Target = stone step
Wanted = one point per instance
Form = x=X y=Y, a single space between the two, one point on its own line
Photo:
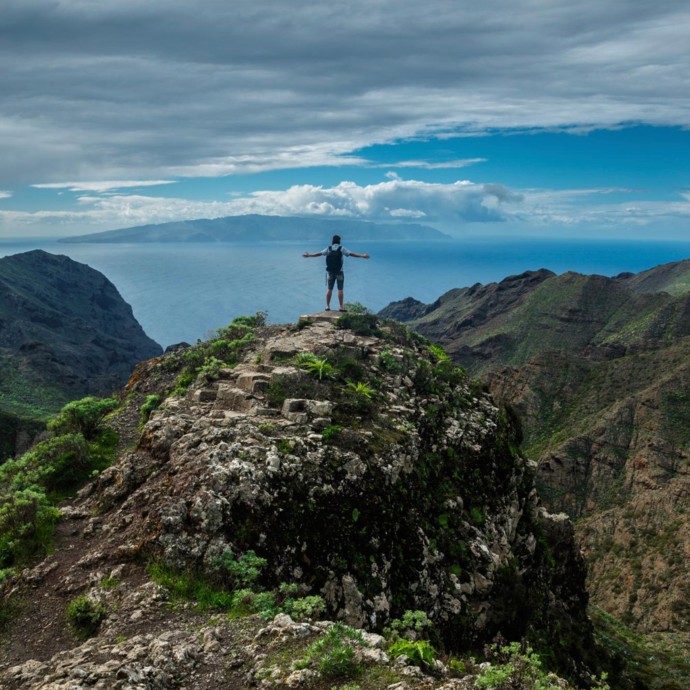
x=236 y=399
x=253 y=381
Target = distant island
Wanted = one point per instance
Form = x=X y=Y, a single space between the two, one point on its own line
x=257 y=228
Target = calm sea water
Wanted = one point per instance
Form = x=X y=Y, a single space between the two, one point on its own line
x=180 y=292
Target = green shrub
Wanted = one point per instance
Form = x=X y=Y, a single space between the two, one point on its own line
x=439 y=353
x=305 y=608
x=360 y=390
x=419 y=652
x=318 y=366
x=360 y=324
x=355 y=308
x=390 y=363
x=210 y=369
x=247 y=601
x=184 y=381
x=241 y=572
x=32 y=484
x=152 y=403
x=330 y=433
x=516 y=665
x=82 y=417
x=27 y=522
x=84 y=616
x=56 y=464
x=410 y=626
x=333 y=655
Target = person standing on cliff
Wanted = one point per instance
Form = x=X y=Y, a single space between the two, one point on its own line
x=334 y=268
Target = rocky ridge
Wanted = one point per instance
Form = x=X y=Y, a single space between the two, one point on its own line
x=371 y=472
x=597 y=371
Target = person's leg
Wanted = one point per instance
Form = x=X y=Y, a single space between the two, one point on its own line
x=330 y=282
x=341 y=284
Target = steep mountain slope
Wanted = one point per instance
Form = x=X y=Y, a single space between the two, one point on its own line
x=598 y=370
x=65 y=332
x=361 y=464
x=256 y=228
x=673 y=278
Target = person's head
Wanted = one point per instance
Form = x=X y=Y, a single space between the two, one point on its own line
x=336 y=239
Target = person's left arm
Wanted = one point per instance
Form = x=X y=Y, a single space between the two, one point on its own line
x=347 y=252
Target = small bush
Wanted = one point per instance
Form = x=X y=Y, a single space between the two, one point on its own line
x=152 y=403
x=331 y=433
x=246 y=602
x=355 y=308
x=27 y=521
x=516 y=665
x=419 y=652
x=210 y=369
x=82 y=417
x=410 y=626
x=333 y=654
x=318 y=366
x=84 y=617
x=242 y=572
x=360 y=390
x=360 y=324
x=56 y=464
x=305 y=608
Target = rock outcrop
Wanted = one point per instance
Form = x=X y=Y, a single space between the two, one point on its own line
x=366 y=469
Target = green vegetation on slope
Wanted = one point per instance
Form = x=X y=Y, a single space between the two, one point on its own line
x=32 y=485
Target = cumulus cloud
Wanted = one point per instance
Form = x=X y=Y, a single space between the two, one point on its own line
x=397 y=199
x=5 y=195
x=451 y=206
x=143 y=89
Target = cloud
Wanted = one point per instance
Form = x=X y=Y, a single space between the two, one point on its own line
x=429 y=165
x=462 y=204
x=102 y=186
x=140 y=89
x=5 y=195
x=396 y=199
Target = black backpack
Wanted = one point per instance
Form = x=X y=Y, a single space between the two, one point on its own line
x=334 y=260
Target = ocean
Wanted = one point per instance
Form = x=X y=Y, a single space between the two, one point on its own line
x=182 y=292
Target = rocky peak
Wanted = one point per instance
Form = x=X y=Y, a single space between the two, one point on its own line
x=361 y=464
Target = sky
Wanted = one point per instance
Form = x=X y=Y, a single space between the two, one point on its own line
x=502 y=118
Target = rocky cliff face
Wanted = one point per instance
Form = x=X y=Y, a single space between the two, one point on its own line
x=597 y=371
x=361 y=464
x=65 y=332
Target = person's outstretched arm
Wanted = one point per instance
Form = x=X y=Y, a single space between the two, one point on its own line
x=360 y=256
x=307 y=255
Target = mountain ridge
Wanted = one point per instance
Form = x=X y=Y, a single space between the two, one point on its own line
x=598 y=370
x=258 y=228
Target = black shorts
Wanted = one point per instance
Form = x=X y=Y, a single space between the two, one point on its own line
x=332 y=277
